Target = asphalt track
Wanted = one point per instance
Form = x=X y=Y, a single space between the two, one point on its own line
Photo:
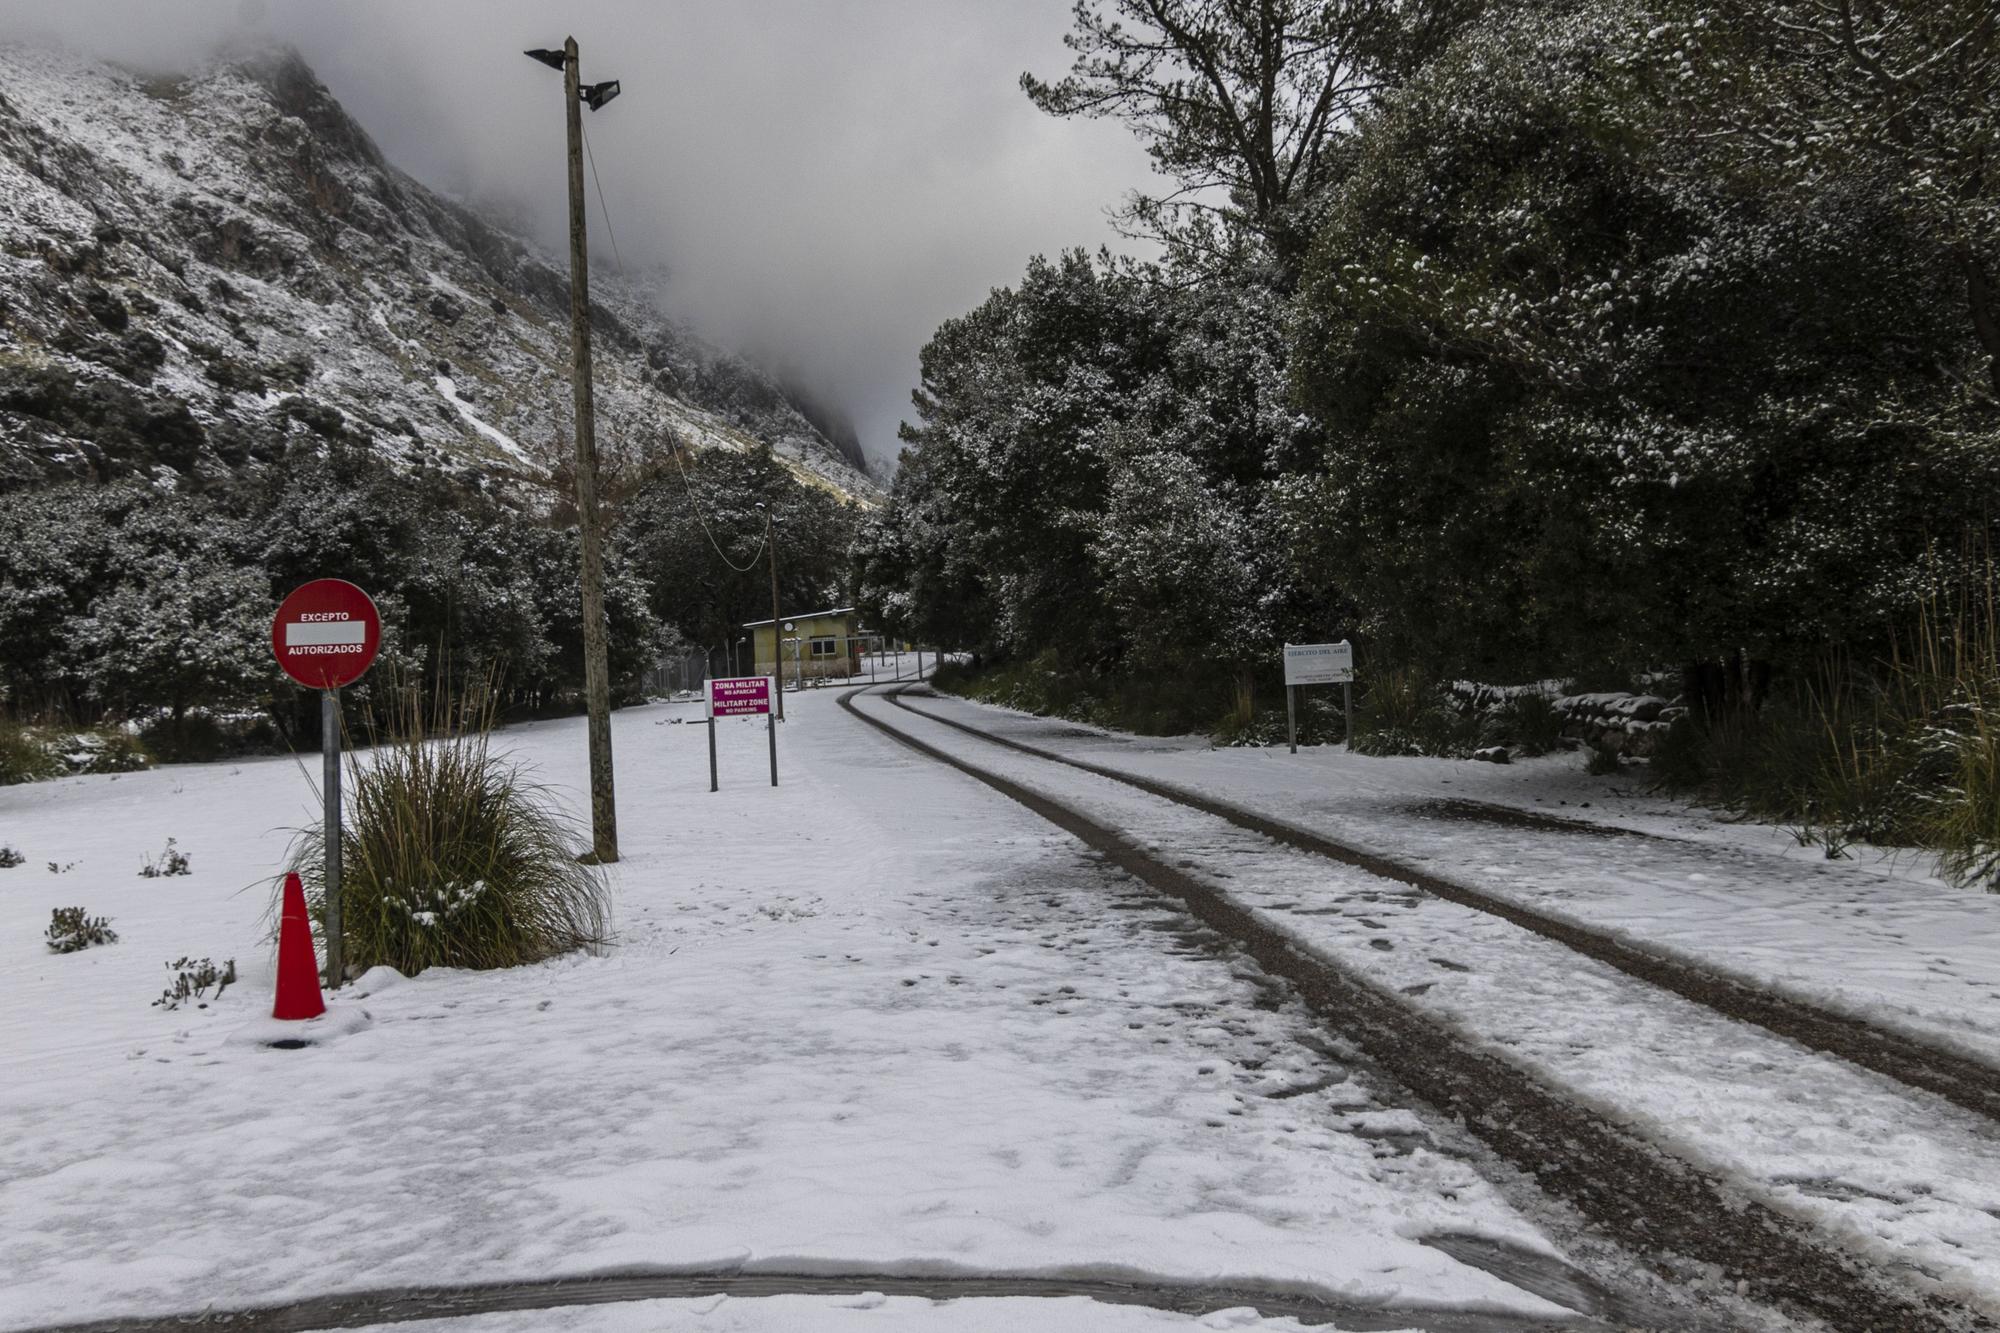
x=1956 y=1077
x=1668 y=1215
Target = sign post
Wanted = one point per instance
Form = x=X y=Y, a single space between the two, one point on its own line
x=1319 y=664
x=739 y=696
x=325 y=635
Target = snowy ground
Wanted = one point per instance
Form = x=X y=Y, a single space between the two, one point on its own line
x=878 y=1019
x=1877 y=936
x=1901 y=1178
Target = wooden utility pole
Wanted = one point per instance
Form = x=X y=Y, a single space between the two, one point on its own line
x=596 y=656
x=777 y=625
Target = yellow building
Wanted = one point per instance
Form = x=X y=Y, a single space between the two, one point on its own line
x=813 y=646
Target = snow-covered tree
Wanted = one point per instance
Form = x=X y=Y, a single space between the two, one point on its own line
x=1593 y=398
x=1899 y=97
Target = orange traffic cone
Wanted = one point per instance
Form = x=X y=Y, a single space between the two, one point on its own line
x=298 y=970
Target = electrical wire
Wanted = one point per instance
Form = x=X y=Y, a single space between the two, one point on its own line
x=603 y=211
x=694 y=504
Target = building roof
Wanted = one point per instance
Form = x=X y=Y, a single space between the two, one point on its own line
x=802 y=615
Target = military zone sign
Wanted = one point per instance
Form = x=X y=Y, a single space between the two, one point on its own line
x=740 y=696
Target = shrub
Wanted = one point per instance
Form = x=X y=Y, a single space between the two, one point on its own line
x=170 y=861
x=106 y=750
x=192 y=978
x=10 y=856
x=24 y=756
x=451 y=859
x=200 y=736
x=1529 y=721
x=1402 y=713
x=1966 y=824
x=1603 y=761
x=1904 y=752
x=70 y=930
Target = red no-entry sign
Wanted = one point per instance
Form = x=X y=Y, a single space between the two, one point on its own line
x=326 y=633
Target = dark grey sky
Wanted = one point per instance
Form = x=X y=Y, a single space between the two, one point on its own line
x=826 y=180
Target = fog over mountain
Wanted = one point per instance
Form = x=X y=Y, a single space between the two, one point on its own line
x=820 y=184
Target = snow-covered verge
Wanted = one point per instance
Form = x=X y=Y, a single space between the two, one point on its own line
x=1878 y=936
x=874 y=1017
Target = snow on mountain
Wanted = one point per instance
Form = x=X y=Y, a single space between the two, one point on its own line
x=194 y=268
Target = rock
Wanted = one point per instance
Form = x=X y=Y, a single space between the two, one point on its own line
x=1493 y=754
x=105 y=308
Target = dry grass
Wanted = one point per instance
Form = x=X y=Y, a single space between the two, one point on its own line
x=449 y=857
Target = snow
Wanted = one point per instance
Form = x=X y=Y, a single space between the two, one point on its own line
x=1899 y=1177
x=449 y=389
x=876 y=1019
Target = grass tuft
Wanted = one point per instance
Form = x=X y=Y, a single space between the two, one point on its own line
x=449 y=857
x=1400 y=712
x=1904 y=752
x=1528 y=721
x=25 y=756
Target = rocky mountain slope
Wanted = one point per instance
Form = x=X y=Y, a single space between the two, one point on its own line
x=193 y=269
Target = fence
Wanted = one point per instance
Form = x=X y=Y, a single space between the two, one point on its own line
x=856 y=657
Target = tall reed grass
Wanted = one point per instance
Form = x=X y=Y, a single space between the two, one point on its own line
x=1903 y=751
x=450 y=858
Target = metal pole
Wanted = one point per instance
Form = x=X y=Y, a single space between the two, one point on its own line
x=596 y=656
x=1347 y=715
x=777 y=661
x=1291 y=719
x=711 y=748
x=329 y=748
x=771 y=731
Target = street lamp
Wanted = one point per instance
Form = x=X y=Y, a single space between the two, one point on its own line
x=596 y=652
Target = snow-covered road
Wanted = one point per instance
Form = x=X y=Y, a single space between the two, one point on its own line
x=1877 y=936
x=875 y=1020
x=1899 y=1178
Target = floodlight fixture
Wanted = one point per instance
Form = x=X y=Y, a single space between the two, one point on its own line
x=595 y=95
x=553 y=59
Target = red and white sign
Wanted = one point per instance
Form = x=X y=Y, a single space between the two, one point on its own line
x=734 y=696
x=326 y=633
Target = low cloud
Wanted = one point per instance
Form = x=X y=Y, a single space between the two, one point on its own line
x=822 y=183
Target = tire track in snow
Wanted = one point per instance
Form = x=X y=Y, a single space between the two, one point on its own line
x=1959 y=1079
x=1641 y=1196
x=403 y=1304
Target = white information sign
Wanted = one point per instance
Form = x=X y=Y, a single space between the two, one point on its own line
x=1319 y=663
